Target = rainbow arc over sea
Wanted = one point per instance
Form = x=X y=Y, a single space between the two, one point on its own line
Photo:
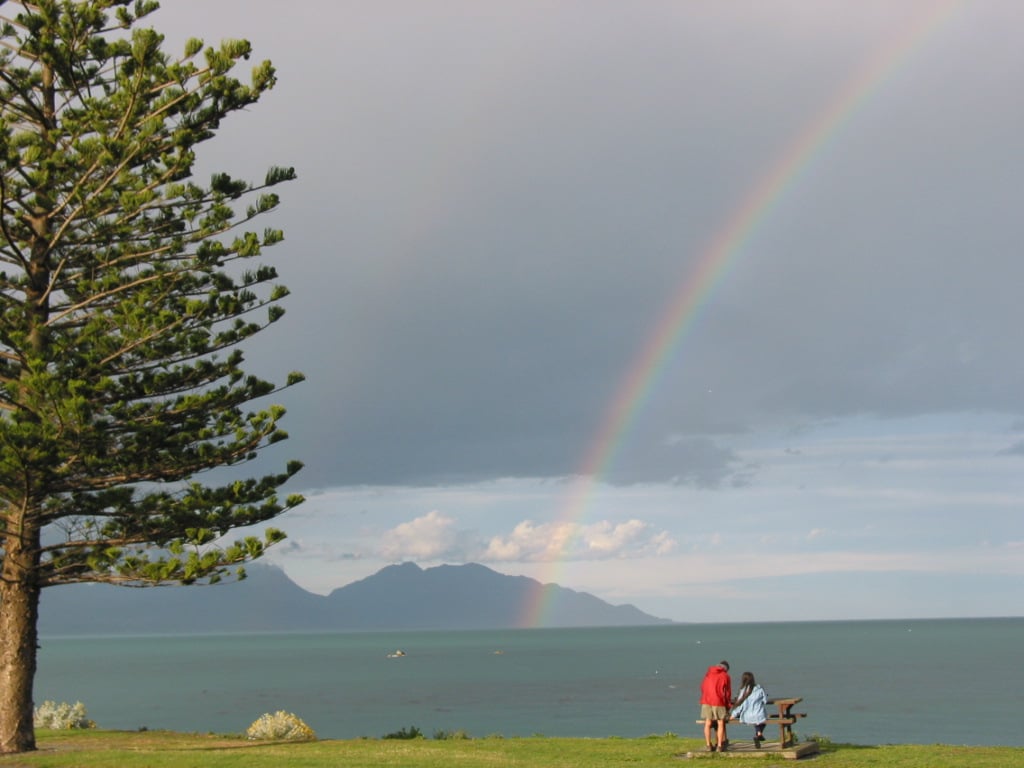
x=714 y=261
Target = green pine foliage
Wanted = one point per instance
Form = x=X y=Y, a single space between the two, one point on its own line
x=123 y=302
x=127 y=290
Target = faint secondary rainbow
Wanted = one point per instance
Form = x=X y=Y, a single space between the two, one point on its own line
x=714 y=262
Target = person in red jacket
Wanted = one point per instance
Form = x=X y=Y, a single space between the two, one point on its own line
x=715 y=701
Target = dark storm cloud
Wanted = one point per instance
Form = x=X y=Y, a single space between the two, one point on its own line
x=494 y=210
x=1017 y=449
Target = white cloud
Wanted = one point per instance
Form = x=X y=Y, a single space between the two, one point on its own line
x=545 y=542
x=431 y=537
x=435 y=536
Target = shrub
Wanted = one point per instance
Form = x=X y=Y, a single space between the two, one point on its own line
x=61 y=716
x=412 y=732
x=280 y=726
x=451 y=735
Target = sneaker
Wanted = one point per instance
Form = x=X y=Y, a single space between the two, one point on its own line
x=723 y=747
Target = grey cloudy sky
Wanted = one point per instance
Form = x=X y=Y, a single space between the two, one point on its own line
x=496 y=204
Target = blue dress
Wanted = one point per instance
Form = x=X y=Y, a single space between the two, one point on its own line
x=752 y=710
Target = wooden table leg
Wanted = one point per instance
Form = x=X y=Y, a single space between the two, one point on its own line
x=787 y=727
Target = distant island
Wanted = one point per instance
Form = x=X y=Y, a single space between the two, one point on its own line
x=397 y=597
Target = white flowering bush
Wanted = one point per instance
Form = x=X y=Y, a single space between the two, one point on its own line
x=61 y=716
x=280 y=726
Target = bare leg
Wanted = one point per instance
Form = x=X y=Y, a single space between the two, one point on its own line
x=721 y=734
x=707 y=733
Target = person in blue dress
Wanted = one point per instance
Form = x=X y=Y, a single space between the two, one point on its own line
x=750 y=706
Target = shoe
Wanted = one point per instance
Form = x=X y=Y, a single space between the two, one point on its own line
x=711 y=747
x=723 y=747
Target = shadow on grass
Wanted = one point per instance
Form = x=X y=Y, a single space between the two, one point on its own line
x=830 y=748
x=244 y=745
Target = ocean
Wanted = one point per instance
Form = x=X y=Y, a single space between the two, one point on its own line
x=949 y=681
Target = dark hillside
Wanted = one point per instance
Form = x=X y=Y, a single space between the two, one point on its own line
x=396 y=597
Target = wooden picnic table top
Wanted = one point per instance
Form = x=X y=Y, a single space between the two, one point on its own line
x=785 y=705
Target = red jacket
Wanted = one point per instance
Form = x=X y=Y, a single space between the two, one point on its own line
x=716 y=689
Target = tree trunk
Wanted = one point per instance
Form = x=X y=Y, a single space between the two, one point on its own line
x=19 y=613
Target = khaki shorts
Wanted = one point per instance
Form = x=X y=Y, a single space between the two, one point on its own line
x=708 y=712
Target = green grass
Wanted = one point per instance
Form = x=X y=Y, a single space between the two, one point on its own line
x=163 y=749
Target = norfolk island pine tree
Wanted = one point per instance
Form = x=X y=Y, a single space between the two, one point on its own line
x=124 y=301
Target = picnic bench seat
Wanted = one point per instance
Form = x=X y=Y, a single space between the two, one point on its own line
x=790 y=720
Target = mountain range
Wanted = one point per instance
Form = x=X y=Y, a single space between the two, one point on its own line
x=398 y=597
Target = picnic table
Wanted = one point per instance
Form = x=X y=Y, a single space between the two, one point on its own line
x=785 y=718
x=780 y=712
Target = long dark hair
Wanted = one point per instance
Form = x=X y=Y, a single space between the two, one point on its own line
x=747 y=681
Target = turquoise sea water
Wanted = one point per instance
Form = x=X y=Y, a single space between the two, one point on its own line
x=952 y=681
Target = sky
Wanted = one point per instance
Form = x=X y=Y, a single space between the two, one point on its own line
x=710 y=308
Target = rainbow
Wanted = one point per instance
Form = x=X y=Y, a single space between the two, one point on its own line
x=714 y=263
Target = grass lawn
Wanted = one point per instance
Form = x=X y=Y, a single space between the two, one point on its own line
x=162 y=749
